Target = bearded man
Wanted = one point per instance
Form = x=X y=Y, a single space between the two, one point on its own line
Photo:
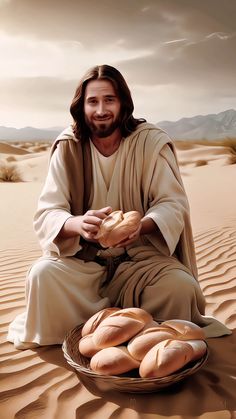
x=106 y=161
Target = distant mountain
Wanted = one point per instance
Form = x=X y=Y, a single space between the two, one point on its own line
x=29 y=134
x=200 y=127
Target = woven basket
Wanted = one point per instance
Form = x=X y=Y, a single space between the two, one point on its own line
x=129 y=382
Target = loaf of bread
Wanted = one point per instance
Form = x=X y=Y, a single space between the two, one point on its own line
x=117 y=227
x=185 y=329
x=157 y=349
x=169 y=356
x=171 y=329
x=120 y=326
x=140 y=344
x=87 y=346
x=199 y=348
x=113 y=361
x=93 y=322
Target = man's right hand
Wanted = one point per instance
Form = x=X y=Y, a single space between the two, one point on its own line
x=86 y=225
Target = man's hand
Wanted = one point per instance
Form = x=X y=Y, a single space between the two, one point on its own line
x=86 y=225
x=89 y=223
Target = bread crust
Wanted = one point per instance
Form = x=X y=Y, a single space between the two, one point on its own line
x=134 y=313
x=87 y=346
x=113 y=361
x=117 y=227
x=170 y=329
x=115 y=331
x=140 y=344
x=168 y=356
x=92 y=323
x=185 y=329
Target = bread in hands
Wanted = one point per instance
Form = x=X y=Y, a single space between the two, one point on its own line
x=120 y=326
x=113 y=361
x=117 y=227
x=169 y=356
x=93 y=322
x=184 y=329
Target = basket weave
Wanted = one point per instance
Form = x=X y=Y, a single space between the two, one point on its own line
x=130 y=382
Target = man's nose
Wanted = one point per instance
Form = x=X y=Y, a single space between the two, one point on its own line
x=101 y=109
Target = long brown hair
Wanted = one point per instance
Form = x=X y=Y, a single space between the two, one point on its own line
x=104 y=72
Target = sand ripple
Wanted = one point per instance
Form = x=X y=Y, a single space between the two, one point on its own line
x=40 y=384
x=216 y=258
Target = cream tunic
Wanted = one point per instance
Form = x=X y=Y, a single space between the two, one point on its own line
x=103 y=179
x=104 y=186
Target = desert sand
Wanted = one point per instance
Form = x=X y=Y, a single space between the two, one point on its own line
x=39 y=383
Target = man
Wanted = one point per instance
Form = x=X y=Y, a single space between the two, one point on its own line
x=110 y=161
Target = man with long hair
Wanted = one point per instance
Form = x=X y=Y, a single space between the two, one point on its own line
x=106 y=161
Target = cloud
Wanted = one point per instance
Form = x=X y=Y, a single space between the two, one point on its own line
x=105 y=21
x=44 y=102
x=37 y=92
x=172 y=102
x=162 y=39
x=38 y=101
x=27 y=57
x=207 y=62
x=175 y=56
x=220 y=35
x=93 y=23
x=175 y=41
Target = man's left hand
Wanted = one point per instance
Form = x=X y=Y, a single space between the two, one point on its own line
x=131 y=239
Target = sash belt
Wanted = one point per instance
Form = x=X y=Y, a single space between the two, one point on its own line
x=89 y=251
x=89 y=254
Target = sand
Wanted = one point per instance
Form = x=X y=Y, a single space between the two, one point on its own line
x=39 y=383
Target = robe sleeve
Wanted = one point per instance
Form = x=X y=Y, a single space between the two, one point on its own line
x=53 y=211
x=168 y=202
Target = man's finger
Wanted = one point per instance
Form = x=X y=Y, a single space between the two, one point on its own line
x=101 y=213
x=93 y=220
x=104 y=212
x=107 y=210
x=91 y=228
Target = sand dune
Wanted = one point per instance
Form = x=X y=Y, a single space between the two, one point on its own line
x=6 y=148
x=40 y=384
x=34 y=168
x=203 y=154
x=30 y=169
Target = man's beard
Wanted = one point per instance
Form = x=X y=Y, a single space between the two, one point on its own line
x=103 y=130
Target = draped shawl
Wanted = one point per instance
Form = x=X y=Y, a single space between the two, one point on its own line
x=138 y=169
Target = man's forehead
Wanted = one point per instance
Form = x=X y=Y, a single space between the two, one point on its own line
x=100 y=88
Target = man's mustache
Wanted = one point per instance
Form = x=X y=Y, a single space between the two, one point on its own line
x=100 y=118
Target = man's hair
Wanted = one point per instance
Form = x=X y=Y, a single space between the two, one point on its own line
x=104 y=72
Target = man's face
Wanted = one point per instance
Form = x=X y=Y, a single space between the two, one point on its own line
x=101 y=108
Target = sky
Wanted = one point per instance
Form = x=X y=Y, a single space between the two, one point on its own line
x=177 y=56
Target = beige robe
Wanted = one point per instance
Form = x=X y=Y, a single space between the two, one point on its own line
x=145 y=178
x=141 y=186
